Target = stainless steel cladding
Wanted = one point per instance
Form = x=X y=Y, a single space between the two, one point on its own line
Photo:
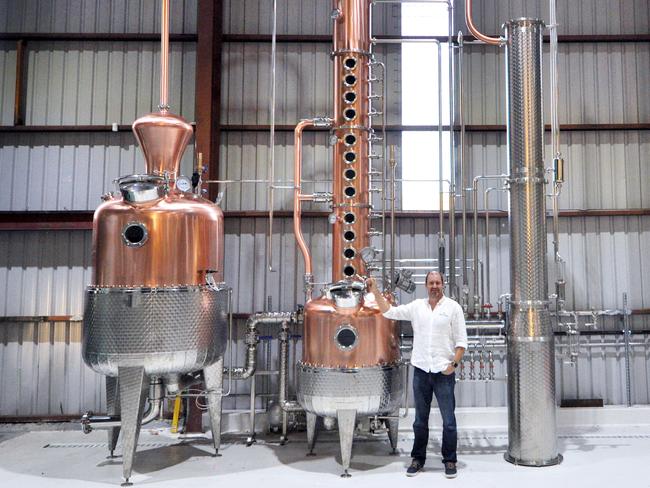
x=368 y=391
x=531 y=364
x=164 y=330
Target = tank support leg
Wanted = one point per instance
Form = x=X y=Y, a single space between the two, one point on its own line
x=393 y=424
x=133 y=386
x=346 y=420
x=112 y=408
x=312 y=420
x=213 y=376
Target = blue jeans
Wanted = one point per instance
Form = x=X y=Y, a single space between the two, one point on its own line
x=425 y=385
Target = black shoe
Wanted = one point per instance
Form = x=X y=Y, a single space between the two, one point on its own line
x=450 y=470
x=415 y=467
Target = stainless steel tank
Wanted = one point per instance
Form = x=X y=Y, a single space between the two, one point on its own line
x=532 y=438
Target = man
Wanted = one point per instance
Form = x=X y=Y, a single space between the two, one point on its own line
x=439 y=342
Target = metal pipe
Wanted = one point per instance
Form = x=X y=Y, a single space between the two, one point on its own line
x=90 y=422
x=287 y=406
x=627 y=332
x=164 y=57
x=393 y=168
x=441 y=214
x=497 y=41
x=271 y=187
x=463 y=195
x=475 y=291
x=251 y=341
x=486 y=206
x=156 y=397
x=452 y=156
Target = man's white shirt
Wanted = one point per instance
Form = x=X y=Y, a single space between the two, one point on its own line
x=436 y=333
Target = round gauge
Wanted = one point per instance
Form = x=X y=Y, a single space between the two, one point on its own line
x=184 y=184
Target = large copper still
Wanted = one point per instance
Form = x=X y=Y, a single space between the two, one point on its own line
x=157 y=309
x=351 y=359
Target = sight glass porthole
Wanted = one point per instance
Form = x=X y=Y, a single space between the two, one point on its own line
x=349 y=235
x=349 y=218
x=350 y=114
x=350 y=63
x=350 y=139
x=349 y=97
x=349 y=271
x=349 y=253
x=134 y=234
x=350 y=191
x=350 y=80
x=346 y=337
x=349 y=174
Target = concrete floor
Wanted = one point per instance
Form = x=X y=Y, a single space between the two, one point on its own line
x=595 y=455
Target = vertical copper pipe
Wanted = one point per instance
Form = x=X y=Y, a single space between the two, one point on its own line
x=475 y=32
x=164 y=56
x=297 y=175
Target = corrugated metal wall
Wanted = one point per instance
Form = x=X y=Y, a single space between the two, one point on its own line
x=44 y=273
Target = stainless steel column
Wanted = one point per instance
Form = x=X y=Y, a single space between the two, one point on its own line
x=532 y=438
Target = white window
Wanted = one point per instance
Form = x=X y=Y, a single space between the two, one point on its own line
x=421 y=149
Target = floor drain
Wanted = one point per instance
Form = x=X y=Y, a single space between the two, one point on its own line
x=96 y=445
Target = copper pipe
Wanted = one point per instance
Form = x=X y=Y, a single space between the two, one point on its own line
x=164 y=56
x=297 y=197
x=497 y=41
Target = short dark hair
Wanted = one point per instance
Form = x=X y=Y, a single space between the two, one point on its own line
x=442 y=276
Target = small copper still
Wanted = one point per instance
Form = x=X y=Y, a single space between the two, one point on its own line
x=351 y=363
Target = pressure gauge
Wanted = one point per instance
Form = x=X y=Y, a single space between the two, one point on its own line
x=184 y=184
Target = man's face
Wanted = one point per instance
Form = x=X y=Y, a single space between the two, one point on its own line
x=435 y=286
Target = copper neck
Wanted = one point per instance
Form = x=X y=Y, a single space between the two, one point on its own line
x=164 y=57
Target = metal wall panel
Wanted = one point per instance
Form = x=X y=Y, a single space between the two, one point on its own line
x=599 y=83
x=100 y=83
x=576 y=18
x=303 y=82
x=7 y=82
x=603 y=170
x=42 y=373
x=297 y=17
x=67 y=171
x=91 y=16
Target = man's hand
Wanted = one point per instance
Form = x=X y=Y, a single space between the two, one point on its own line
x=383 y=305
x=450 y=369
x=372 y=286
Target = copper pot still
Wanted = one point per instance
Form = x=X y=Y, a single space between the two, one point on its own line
x=351 y=364
x=158 y=249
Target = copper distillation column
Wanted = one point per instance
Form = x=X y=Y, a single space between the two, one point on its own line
x=157 y=311
x=351 y=365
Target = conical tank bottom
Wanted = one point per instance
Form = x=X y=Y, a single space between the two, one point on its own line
x=163 y=138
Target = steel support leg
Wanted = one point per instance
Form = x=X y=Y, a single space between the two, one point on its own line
x=112 y=408
x=213 y=377
x=346 y=420
x=312 y=420
x=393 y=424
x=133 y=387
